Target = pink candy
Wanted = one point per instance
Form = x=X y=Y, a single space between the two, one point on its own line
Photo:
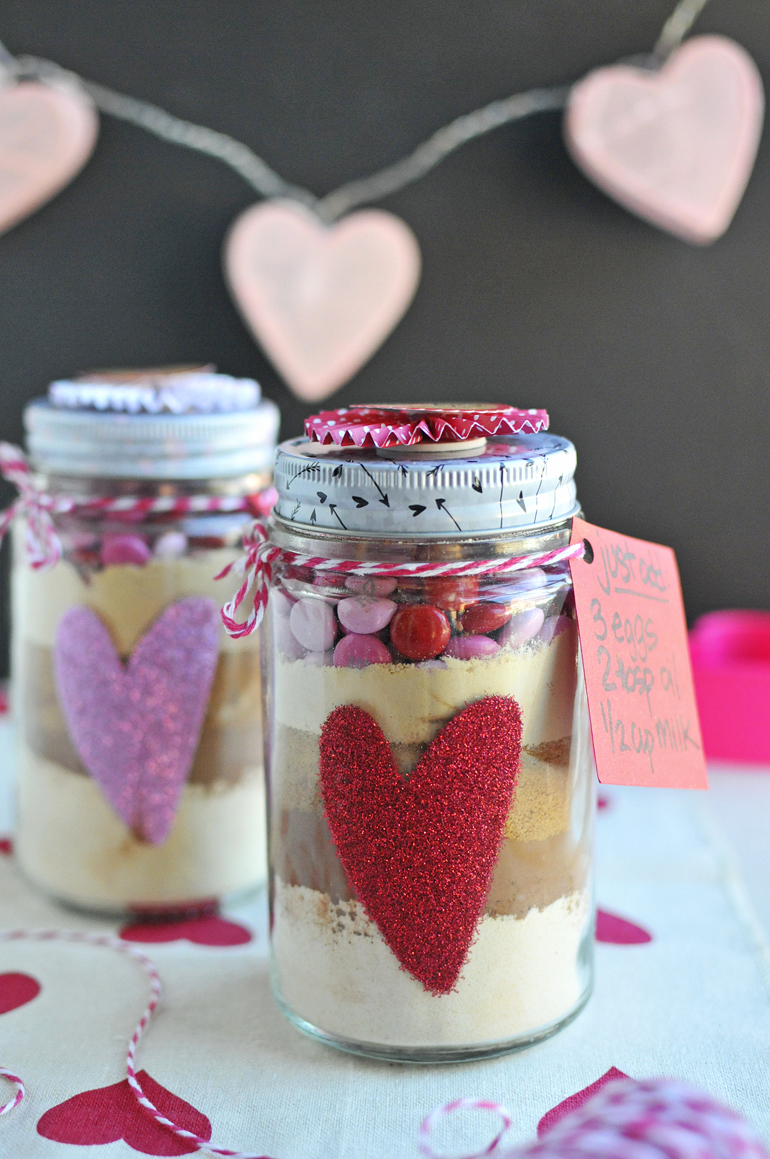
x=314 y=624
x=365 y=614
x=357 y=651
x=521 y=628
x=119 y=549
x=470 y=647
x=371 y=585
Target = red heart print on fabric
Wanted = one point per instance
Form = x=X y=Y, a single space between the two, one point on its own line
x=603 y=802
x=618 y=931
x=6 y=846
x=17 y=990
x=204 y=931
x=136 y=726
x=551 y=1118
x=107 y=1114
x=420 y=852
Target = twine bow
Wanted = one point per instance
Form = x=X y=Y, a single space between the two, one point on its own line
x=42 y=543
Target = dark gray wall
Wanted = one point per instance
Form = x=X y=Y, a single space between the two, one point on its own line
x=654 y=357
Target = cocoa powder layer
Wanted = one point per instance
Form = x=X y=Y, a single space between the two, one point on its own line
x=231 y=737
x=528 y=875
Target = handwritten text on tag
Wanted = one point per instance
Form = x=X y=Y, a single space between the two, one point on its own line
x=633 y=637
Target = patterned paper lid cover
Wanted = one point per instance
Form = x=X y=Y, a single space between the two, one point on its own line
x=177 y=423
x=426 y=472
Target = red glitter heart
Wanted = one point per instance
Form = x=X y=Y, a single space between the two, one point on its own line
x=572 y=1102
x=110 y=1113
x=420 y=853
x=203 y=931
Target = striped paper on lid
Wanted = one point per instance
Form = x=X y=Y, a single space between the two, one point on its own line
x=514 y=483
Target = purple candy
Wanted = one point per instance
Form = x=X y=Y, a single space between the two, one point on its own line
x=521 y=627
x=170 y=545
x=320 y=659
x=371 y=585
x=470 y=647
x=355 y=651
x=117 y=549
x=313 y=624
x=365 y=614
x=287 y=643
x=554 y=626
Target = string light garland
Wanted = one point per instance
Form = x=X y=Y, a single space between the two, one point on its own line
x=322 y=286
x=264 y=180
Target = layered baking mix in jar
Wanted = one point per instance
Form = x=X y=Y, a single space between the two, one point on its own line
x=141 y=786
x=430 y=770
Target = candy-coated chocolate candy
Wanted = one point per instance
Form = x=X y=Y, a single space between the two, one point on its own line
x=420 y=631
x=286 y=642
x=118 y=549
x=484 y=618
x=335 y=583
x=521 y=627
x=554 y=626
x=471 y=647
x=530 y=577
x=355 y=651
x=281 y=603
x=314 y=624
x=365 y=614
x=320 y=659
x=170 y=545
x=371 y=585
x=452 y=593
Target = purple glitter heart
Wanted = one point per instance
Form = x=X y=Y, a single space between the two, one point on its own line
x=136 y=726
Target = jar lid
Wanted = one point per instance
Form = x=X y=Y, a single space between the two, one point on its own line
x=423 y=489
x=185 y=423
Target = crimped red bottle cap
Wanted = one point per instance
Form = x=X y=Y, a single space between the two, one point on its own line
x=405 y=426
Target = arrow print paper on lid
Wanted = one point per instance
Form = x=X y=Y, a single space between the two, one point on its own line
x=320 y=299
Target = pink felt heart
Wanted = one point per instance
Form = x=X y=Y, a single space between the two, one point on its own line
x=107 y=1114
x=676 y=146
x=136 y=726
x=209 y=930
x=46 y=137
x=619 y=931
x=320 y=299
x=572 y=1102
x=17 y=990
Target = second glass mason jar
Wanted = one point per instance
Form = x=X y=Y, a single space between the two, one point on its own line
x=430 y=770
x=138 y=718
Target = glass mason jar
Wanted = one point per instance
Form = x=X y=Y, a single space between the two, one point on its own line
x=430 y=769
x=138 y=719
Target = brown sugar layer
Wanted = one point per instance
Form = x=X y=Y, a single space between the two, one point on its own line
x=230 y=741
x=529 y=874
x=540 y=808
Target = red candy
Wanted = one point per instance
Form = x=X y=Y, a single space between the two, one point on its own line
x=483 y=618
x=420 y=632
x=453 y=593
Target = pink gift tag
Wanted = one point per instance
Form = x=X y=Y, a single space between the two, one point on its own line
x=677 y=146
x=46 y=137
x=320 y=299
x=633 y=636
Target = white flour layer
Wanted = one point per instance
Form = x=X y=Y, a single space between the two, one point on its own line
x=72 y=844
x=335 y=970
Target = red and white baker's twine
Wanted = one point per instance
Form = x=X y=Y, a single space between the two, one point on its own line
x=42 y=542
x=110 y=943
x=256 y=567
x=652 y=1119
x=625 y=1120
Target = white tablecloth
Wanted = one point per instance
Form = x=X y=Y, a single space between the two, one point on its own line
x=691 y=868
